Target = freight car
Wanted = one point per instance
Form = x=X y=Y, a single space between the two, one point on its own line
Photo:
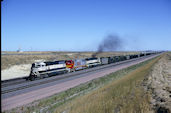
x=116 y=59
x=105 y=60
x=108 y=60
x=134 y=56
x=122 y=58
x=141 y=54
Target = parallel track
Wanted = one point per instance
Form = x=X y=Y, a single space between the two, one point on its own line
x=10 y=82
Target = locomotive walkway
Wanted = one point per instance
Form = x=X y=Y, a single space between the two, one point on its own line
x=27 y=95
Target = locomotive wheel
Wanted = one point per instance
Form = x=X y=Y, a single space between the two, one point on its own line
x=65 y=72
x=27 y=78
x=68 y=71
x=73 y=70
x=32 y=78
x=41 y=77
x=44 y=76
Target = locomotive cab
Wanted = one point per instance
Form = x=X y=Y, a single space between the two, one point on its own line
x=35 y=68
x=38 y=65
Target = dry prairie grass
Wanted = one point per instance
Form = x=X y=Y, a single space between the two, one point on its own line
x=16 y=58
x=11 y=60
x=125 y=95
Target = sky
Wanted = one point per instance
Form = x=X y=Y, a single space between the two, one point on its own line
x=81 y=25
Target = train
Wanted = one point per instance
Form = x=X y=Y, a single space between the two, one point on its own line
x=50 y=68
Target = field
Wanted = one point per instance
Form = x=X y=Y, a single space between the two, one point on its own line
x=122 y=91
x=16 y=58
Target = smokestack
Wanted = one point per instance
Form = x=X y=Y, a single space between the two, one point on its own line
x=109 y=43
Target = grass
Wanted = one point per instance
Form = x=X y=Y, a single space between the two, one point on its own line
x=11 y=60
x=30 y=57
x=125 y=95
x=99 y=89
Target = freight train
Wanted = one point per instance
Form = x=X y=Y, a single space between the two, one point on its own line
x=46 y=69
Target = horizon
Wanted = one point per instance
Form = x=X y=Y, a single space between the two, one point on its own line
x=88 y=51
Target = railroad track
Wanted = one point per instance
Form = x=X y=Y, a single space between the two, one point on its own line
x=10 y=82
x=17 y=81
x=21 y=83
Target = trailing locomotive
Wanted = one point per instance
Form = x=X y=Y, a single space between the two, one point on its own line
x=91 y=62
x=45 y=69
x=76 y=64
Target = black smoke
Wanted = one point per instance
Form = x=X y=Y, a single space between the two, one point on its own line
x=109 y=43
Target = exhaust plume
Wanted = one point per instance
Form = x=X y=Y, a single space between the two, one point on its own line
x=109 y=43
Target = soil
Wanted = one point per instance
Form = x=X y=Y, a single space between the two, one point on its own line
x=17 y=71
x=159 y=84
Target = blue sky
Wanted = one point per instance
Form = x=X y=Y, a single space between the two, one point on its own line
x=80 y=25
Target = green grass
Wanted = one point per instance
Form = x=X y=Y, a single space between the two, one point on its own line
x=67 y=98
